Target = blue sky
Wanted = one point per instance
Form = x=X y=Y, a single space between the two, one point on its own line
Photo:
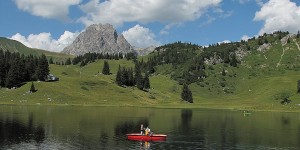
x=54 y=24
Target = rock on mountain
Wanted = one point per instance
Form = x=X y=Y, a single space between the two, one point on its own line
x=144 y=51
x=99 y=38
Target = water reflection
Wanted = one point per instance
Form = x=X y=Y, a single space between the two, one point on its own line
x=15 y=131
x=285 y=120
x=103 y=128
x=126 y=127
x=186 y=119
x=104 y=139
x=193 y=129
x=228 y=134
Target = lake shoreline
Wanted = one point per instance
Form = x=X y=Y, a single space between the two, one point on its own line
x=242 y=108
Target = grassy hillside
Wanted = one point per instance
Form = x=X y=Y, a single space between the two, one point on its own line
x=256 y=83
x=15 y=46
x=86 y=86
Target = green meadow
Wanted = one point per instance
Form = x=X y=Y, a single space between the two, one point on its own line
x=260 y=82
x=88 y=87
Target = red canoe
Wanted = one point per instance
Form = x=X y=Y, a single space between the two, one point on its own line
x=152 y=137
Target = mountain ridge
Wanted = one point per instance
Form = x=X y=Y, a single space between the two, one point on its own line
x=99 y=38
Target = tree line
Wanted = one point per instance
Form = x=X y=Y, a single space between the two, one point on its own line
x=15 y=69
x=129 y=77
x=92 y=57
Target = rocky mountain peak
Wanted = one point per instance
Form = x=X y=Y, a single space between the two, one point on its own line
x=99 y=38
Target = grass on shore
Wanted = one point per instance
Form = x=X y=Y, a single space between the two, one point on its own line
x=88 y=87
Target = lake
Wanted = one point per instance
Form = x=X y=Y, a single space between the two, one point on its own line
x=70 y=127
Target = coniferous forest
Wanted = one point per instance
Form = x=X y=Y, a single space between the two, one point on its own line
x=16 y=69
x=92 y=57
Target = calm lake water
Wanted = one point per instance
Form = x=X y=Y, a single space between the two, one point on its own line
x=42 y=127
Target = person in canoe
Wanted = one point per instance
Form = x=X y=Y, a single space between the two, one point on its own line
x=142 y=129
x=147 y=131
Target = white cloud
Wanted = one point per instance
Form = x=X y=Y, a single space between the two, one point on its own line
x=45 y=41
x=243 y=1
x=165 y=30
x=259 y=2
x=225 y=41
x=54 y=9
x=208 y=21
x=277 y=15
x=140 y=37
x=117 y=12
x=245 y=38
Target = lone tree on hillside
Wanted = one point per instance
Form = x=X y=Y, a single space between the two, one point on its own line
x=298 y=86
x=186 y=94
x=233 y=61
x=106 y=70
x=32 y=88
x=223 y=72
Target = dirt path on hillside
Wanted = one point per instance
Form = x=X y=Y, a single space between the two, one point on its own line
x=283 y=51
x=297 y=44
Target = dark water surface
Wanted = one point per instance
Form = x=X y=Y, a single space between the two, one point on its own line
x=42 y=127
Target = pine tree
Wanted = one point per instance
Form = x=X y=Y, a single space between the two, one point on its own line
x=137 y=72
x=226 y=58
x=43 y=68
x=31 y=68
x=21 y=68
x=266 y=41
x=12 y=75
x=2 y=69
x=146 y=82
x=139 y=81
x=118 y=76
x=130 y=77
x=106 y=70
x=83 y=63
x=124 y=77
x=68 y=61
x=223 y=72
x=233 y=61
x=138 y=78
x=51 y=61
x=186 y=94
x=298 y=86
x=32 y=88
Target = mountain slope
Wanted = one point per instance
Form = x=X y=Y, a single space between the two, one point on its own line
x=16 y=46
x=99 y=38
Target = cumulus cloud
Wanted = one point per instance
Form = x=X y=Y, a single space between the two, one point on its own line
x=45 y=41
x=259 y=2
x=224 y=42
x=140 y=37
x=117 y=12
x=245 y=38
x=278 y=15
x=54 y=9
